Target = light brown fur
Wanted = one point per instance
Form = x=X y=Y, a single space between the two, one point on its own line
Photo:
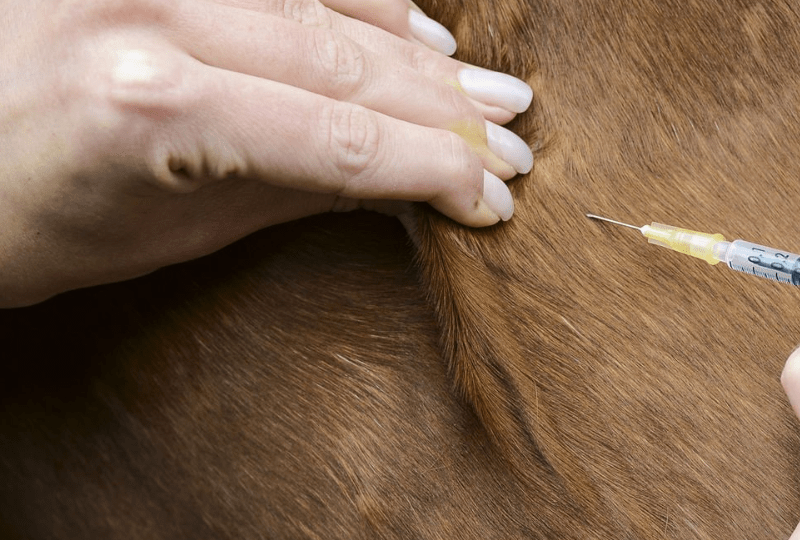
x=547 y=378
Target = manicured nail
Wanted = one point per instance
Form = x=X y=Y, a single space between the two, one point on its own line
x=509 y=147
x=497 y=89
x=497 y=196
x=431 y=33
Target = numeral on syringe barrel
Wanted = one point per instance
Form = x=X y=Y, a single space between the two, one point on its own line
x=765 y=262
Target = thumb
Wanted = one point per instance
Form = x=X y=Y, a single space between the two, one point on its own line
x=790 y=379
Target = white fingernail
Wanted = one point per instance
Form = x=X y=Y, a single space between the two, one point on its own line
x=497 y=196
x=497 y=89
x=431 y=33
x=509 y=147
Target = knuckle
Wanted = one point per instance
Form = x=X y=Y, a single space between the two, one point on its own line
x=343 y=64
x=133 y=86
x=143 y=80
x=130 y=100
x=418 y=58
x=186 y=163
x=172 y=170
x=307 y=12
x=180 y=170
x=184 y=160
x=450 y=99
x=353 y=139
x=427 y=63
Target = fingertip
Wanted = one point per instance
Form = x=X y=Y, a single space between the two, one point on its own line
x=476 y=214
x=489 y=206
x=498 y=115
x=482 y=216
x=497 y=196
x=509 y=147
x=790 y=379
x=431 y=33
x=796 y=533
x=496 y=89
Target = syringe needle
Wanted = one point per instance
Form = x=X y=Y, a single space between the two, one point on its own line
x=592 y=216
x=696 y=244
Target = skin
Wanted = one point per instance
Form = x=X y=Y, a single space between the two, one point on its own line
x=141 y=133
x=790 y=379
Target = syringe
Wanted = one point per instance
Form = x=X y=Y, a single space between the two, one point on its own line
x=713 y=248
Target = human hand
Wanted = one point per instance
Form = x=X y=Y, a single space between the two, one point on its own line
x=790 y=379
x=139 y=133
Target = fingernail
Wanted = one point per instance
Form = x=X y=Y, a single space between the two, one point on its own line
x=431 y=33
x=509 y=147
x=497 y=89
x=497 y=196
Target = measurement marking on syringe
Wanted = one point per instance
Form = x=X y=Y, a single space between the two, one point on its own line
x=750 y=270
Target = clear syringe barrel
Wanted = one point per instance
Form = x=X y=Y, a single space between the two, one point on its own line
x=759 y=260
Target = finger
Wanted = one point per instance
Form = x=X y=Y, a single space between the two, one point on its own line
x=790 y=379
x=391 y=15
x=796 y=533
x=231 y=124
x=498 y=97
x=328 y=63
x=489 y=90
x=402 y=18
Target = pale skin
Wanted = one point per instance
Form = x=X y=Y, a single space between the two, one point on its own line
x=141 y=133
x=790 y=379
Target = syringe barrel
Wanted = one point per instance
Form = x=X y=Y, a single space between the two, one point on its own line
x=763 y=261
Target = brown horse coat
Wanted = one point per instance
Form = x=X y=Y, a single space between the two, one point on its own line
x=550 y=377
